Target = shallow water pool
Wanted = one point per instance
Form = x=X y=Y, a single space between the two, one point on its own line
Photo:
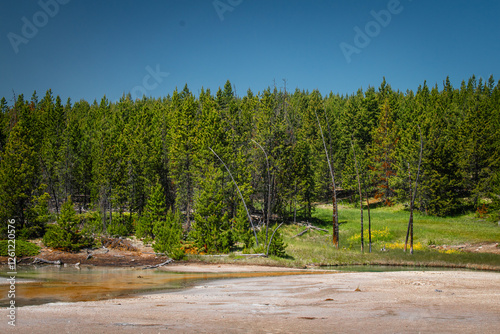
x=37 y=285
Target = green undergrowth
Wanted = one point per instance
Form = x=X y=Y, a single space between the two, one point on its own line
x=22 y=248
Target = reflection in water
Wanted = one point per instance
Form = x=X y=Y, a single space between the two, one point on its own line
x=48 y=284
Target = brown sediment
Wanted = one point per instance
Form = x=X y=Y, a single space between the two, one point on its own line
x=119 y=252
x=133 y=253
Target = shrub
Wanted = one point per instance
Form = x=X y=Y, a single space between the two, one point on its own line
x=23 y=248
x=59 y=238
x=37 y=218
x=65 y=235
x=168 y=236
x=92 y=223
x=31 y=232
x=277 y=246
x=121 y=226
x=189 y=247
x=482 y=211
x=213 y=233
x=241 y=228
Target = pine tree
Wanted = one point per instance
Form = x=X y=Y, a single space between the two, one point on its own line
x=477 y=133
x=440 y=185
x=212 y=228
x=384 y=142
x=37 y=217
x=4 y=117
x=184 y=149
x=65 y=235
x=241 y=228
x=276 y=245
x=108 y=158
x=53 y=122
x=161 y=146
x=154 y=213
x=18 y=179
x=79 y=134
x=168 y=236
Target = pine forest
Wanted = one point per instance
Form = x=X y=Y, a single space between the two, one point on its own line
x=209 y=168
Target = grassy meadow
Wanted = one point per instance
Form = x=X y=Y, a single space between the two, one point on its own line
x=389 y=224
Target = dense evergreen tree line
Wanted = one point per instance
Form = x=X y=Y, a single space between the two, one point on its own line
x=152 y=156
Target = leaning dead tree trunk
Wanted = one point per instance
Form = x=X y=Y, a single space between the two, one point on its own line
x=159 y=265
x=335 y=234
x=268 y=215
x=271 y=240
x=360 y=194
x=241 y=196
x=409 y=230
x=334 y=190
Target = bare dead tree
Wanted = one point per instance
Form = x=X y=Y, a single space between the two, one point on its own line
x=360 y=194
x=334 y=195
x=368 y=207
x=409 y=230
x=369 y=222
x=335 y=234
x=241 y=196
x=410 y=221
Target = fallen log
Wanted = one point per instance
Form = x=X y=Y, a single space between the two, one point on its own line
x=301 y=233
x=43 y=261
x=160 y=265
x=308 y=228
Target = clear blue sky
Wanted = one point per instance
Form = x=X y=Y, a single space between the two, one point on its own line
x=87 y=49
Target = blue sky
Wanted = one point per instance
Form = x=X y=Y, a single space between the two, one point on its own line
x=87 y=49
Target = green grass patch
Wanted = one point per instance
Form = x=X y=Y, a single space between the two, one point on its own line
x=315 y=248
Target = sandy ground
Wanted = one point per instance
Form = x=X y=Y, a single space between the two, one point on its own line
x=484 y=247
x=390 y=302
x=191 y=267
